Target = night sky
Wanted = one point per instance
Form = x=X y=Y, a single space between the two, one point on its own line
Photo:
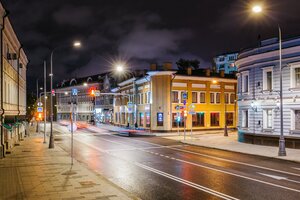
x=140 y=32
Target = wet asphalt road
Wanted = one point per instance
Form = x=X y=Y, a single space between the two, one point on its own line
x=158 y=168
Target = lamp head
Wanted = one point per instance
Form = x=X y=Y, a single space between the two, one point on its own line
x=77 y=44
x=257 y=9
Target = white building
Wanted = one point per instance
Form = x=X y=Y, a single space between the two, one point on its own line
x=13 y=87
x=226 y=62
x=258 y=90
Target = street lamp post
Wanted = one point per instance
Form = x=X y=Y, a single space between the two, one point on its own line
x=51 y=140
x=282 y=151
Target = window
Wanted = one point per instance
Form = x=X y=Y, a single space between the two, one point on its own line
x=226 y=98
x=148 y=119
x=297 y=119
x=245 y=118
x=267 y=79
x=202 y=97
x=141 y=119
x=268 y=118
x=297 y=77
x=142 y=98
x=218 y=97
x=177 y=120
x=232 y=98
x=229 y=119
x=198 y=119
x=175 y=97
x=214 y=119
x=194 y=97
x=245 y=82
x=146 y=97
x=212 y=97
x=149 y=97
x=221 y=59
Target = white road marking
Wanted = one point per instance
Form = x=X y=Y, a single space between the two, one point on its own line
x=296 y=168
x=210 y=168
x=278 y=177
x=213 y=157
x=213 y=169
x=186 y=182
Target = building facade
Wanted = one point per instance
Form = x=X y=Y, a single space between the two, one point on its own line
x=13 y=87
x=226 y=62
x=258 y=93
x=168 y=100
x=89 y=106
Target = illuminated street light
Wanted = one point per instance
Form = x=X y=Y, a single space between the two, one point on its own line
x=85 y=84
x=77 y=44
x=282 y=151
x=120 y=68
x=257 y=9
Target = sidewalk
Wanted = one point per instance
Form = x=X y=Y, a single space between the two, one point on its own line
x=167 y=134
x=230 y=143
x=32 y=171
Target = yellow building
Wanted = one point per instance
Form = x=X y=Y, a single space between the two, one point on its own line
x=167 y=100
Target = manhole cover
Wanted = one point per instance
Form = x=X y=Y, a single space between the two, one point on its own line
x=68 y=173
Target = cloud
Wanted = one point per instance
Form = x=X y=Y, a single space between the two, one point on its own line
x=73 y=16
x=147 y=43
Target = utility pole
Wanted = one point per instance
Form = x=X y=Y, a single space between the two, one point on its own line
x=45 y=105
x=37 y=99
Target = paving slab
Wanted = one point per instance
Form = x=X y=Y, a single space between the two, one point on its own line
x=33 y=171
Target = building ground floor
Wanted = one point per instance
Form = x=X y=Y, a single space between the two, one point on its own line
x=14 y=129
x=260 y=123
x=104 y=115
x=201 y=118
x=87 y=116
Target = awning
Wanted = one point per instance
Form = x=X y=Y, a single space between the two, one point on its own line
x=7 y=126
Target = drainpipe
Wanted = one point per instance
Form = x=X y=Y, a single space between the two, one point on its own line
x=18 y=65
x=6 y=13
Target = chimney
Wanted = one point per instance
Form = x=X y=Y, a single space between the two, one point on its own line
x=153 y=67
x=189 y=71
x=207 y=72
x=167 y=66
x=222 y=73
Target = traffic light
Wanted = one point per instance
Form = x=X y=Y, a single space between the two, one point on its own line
x=39 y=116
x=53 y=92
x=92 y=91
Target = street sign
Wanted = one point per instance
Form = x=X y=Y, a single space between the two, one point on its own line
x=129 y=107
x=74 y=91
x=184 y=96
x=184 y=102
x=39 y=104
x=39 y=109
x=97 y=93
x=74 y=127
x=192 y=109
